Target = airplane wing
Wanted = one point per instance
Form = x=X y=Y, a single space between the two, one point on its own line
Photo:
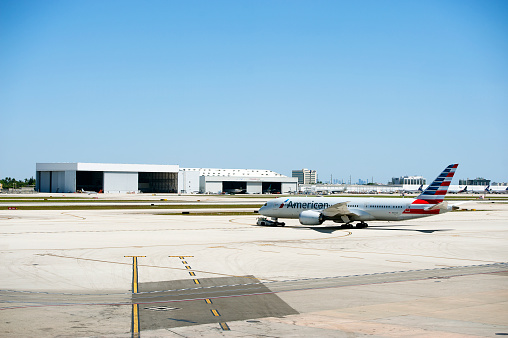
x=339 y=209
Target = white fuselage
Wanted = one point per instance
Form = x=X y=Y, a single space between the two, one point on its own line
x=364 y=208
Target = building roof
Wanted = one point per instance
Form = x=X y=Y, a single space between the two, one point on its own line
x=234 y=172
x=109 y=167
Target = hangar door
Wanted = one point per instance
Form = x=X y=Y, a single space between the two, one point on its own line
x=232 y=187
x=158 y=182
x=272 y=188
x=89 y=181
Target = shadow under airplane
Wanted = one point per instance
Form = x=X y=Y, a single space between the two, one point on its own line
x=331 y=229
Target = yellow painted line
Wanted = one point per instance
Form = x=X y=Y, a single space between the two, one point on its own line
x=192 y=273
x=184 y=262
x=196 y=281
x=135 y=307
x=135 y=320
x=187 y=267
x=181 y=257
x=135 y=276
x=224 y=326
x=215 y=313
x=208 y=301
x=134 y=273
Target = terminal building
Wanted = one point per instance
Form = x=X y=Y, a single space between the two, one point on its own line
x=151 y=178
x=409 y=180
x=476 y=181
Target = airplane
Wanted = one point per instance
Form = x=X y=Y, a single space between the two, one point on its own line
x=345 y=210
x=502 y=190
x=88 y=192
x=413 y=191
x=234 y=191
x=457 y=189
x=481 y=190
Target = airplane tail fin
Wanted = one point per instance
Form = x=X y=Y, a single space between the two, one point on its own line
x=436 y=191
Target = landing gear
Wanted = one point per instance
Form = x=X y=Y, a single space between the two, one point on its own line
x=361 y=225
x=347 y=226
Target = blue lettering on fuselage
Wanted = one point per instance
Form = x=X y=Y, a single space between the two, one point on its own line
x=307 y=205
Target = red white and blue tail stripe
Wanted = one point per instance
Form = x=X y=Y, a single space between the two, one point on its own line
x=435 y=192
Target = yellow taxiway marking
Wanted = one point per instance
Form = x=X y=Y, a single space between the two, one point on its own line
x=188 y=267
x=135 y=307
x=192 y=273
x=135 y=320
x=135 y=273
x=196 y=281
x=208 y=301
x=215 y=313
x=184 y=262
x=181 y=257
x=224 y=326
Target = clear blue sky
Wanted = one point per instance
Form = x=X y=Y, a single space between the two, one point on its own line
x=361 y=88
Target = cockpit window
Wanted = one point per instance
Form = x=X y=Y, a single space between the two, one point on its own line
x=265 y=204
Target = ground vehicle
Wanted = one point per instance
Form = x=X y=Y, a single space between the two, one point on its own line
x=263 y=221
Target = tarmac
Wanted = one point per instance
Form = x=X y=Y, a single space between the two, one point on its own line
x=129 y=273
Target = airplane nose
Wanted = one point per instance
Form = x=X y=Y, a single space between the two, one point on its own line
x=262 y=209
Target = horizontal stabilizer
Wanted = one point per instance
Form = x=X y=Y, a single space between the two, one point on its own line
x=442 y=206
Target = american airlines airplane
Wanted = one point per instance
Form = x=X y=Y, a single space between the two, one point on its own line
x=316 y=210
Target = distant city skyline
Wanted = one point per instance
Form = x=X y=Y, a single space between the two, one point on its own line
x=348 y=88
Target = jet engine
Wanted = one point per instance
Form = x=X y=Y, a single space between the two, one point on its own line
x=311 y=217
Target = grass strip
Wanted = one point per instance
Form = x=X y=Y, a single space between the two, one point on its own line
x=88 y=201
x=133 y=207
x=218 y=213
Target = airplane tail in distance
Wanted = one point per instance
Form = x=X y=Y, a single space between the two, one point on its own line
x=435 y=192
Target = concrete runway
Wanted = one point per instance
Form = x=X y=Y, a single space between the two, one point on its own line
x=65 y=273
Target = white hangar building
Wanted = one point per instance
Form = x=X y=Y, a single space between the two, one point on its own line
x=151 y=178
x=106 y=177
x=249 y=181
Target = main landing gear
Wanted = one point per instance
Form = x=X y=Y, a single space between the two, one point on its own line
x=360 y=225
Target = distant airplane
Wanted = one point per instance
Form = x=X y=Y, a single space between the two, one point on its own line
x=501 y=190
x=234 y=191
x=412 y=191
x=316 y=210
x=457 y=190
x=88 y=192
